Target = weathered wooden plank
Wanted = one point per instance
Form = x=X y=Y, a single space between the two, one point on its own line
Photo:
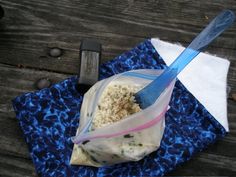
x=231 y=107
x=14 y=81
x=11 y=165
x=207 y=164
x=11 y=138
x=119 y=25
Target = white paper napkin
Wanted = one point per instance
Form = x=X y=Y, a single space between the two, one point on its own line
x=205 y=77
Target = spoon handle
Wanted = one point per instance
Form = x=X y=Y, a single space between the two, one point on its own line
x=217 y=26
x=148 y=95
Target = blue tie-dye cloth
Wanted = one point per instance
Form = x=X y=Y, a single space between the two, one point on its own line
x=50 y=117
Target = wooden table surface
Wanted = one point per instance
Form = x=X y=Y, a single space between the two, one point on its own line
x=31 y=28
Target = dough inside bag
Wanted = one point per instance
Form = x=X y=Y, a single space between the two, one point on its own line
x=113 y=129
x=117 y=102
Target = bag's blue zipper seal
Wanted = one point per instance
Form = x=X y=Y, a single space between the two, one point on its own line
x=139 y=75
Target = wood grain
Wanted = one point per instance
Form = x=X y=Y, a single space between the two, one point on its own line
x=30 y=29
x=33 y=27
x=11 y=165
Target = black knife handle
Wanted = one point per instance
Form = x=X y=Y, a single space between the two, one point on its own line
x=90 y=58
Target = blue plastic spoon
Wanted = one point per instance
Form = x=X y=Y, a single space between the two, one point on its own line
x=149 y=94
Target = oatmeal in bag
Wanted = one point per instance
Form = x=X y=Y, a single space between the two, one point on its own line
x=113 y=128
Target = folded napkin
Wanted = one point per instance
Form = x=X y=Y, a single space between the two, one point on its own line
x=205 y=77
x=50 y=117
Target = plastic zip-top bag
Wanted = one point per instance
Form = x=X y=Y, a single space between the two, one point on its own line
x=132 y=137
